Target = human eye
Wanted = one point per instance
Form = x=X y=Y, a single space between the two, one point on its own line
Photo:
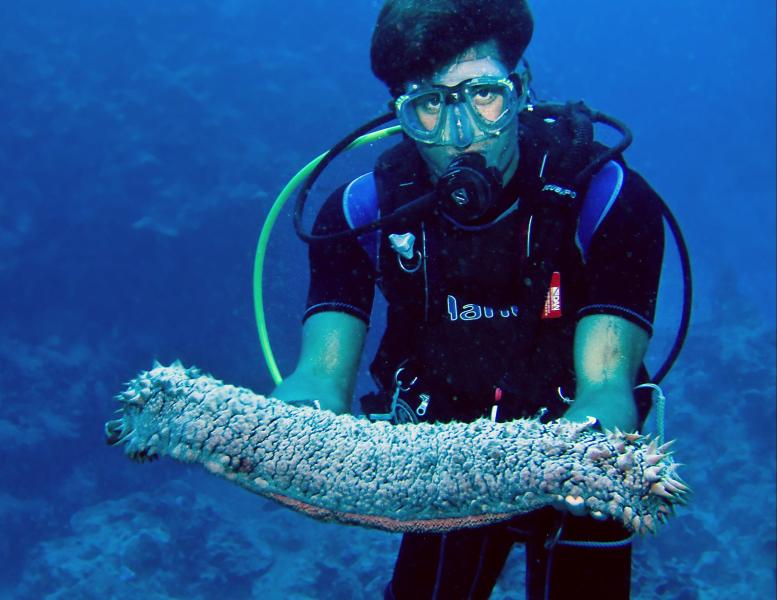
x=483 y=95
x=431 y=103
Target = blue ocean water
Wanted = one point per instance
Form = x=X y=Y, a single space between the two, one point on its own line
x=141 y=145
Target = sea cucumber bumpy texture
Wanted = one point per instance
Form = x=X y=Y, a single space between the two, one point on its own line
x=395 y=477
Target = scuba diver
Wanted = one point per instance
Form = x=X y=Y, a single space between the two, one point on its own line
x=520 y=261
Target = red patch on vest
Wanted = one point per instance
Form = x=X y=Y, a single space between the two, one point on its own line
x=552 y=308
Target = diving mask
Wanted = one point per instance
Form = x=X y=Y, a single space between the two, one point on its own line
x=474 y=110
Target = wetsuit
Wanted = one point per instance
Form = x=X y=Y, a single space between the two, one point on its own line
x=458 y=316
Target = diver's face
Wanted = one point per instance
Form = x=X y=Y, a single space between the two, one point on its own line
x=500 y=151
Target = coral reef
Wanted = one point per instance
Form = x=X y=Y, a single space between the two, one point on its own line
x=397 y=478
x=145 y=549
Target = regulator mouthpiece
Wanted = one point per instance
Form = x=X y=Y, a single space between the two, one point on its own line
x=468 y=188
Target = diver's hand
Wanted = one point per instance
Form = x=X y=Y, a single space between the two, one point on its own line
x=611 y=408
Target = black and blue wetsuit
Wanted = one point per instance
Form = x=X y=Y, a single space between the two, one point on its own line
x=487 y=307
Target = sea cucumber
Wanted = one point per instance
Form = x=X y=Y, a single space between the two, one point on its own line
x=411 y=477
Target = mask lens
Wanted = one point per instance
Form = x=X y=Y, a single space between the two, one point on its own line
x=427 y=109
x=488 y=101
x=421 y=114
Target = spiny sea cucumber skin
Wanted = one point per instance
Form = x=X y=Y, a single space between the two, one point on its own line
x=425 y=477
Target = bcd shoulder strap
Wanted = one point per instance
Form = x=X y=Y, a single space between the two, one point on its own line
x=399 y=177
x=360 y=207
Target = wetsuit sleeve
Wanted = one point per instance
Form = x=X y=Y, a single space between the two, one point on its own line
x=342 y=277
x=623 y=264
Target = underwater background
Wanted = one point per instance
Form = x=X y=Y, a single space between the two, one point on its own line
x=141 y=146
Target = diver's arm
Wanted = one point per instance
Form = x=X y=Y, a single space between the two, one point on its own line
x=332 y=344
x=608 y=352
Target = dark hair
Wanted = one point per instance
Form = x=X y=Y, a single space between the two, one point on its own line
x=414 y=38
